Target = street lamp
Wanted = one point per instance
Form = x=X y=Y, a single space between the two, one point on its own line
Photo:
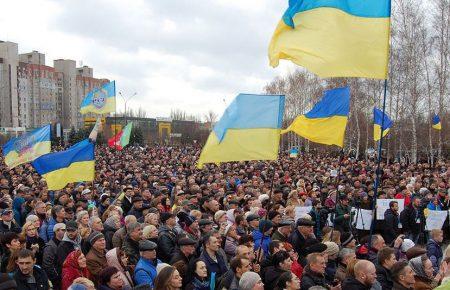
x=126 y=101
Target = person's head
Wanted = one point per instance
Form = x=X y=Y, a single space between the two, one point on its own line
x=199 y=268
x=437 y=235
x=29 y=230
x=403 y=274
x=168 y=219
x=34 y=219
x=96 y=224
x=134 y=230
x=332 y=250
x=250 y=281
x=422 y=266
x=97 y=241
x=25 y=261
x=187 y=246
x=378 y=242
x=240 y=265
x=88 y=284
x=210 y=243
x=316 y=262
x=365 y=272
x=83 y=218
x=149 y=232
x=72 y=230
x=288 y=281
x=130 y=219
x=59 y=229
x=147 y=249
x=244 y=252
x=393 y=205
x=346 y=255
x=168 y=279
x=305 y=227
x=282 y=260
x=275 y=246
x=11 y=241
x=152 y=219
x=386 y=257
x=111 y=277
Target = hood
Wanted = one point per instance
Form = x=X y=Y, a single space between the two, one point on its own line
x=230 y=216
x=113 y=259
x=76 y=243
x=72 y=260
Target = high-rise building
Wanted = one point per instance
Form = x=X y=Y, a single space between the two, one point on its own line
x=9 y=106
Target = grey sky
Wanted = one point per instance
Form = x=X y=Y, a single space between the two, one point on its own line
x=185 y=54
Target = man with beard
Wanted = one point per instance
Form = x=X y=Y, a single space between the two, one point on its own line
x=70 y=242
x=391 y=221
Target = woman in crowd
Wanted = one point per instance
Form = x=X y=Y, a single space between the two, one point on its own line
x=150 y=233
x=199 y=276
x=423 y=273
x=111 y=225
x=168 y=279
x=119 y=259
x=110 y=279
x=74 y=267
x=32 y=240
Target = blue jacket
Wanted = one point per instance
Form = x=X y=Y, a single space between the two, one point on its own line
x=46 y=230
x=431 y=206
x=434 y=252
x=145 y=272
x=257 y=236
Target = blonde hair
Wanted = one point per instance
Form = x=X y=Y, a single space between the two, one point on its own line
x=23 y=234
x=332 y=236
x=146 y=231
x=196 y=213
x=447 y=252
x=84 y=281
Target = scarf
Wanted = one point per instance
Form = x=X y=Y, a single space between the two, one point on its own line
x=200 y=285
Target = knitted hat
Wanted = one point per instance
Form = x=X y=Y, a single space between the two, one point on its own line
x=265 y=225
x=95 y=236
x=346 y=238
x=332 y=248
x=161 y=266
x=248 y=280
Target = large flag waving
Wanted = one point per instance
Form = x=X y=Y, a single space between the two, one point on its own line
x=122 y=138
x=27 y=147
x=378 y=116
x=437 y=122
x=326 y=122
x=248 y=130
x=100 y=100
x=72 y=165
x=335 y=38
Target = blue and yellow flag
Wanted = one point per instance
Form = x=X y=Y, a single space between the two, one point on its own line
x=377 y=120
x=437 y=122
x=248 y=130
x=335 y=38
x=27 y=147
x=100 y=100
x=326 y=122
x=72 y=165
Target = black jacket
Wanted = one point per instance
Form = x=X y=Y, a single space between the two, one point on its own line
x=297 y=240
x=271 y=277
x=126 y=206
x=181 y=262
x=64 y=249
x=39 y=276
x=15 y=228
x=49 y=264
x=408 y=218
x=384 y=277
x=391 y=226
x=352 y=284
x=108 y=232
x=166 y=244
x=131 y=248
x=310 y=279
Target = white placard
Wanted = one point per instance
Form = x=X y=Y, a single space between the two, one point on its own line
x=363 y=218
x=300 y=211
x=383 y=205
x=435 y=219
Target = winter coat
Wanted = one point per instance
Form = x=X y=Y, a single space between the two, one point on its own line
x=14 y=227
x=266 y=240
x=271 y=276
x=65 y=247
x=330 y=271
x=353 y=284
x=49 y=262
x=145 y=272
x=340 y=222
x=341 y=272
x=131 y=248
x=310 y=279
x=71 y=270
x=297 y=240
x=181 y=262
x=46 y=231
x=126 y=205
x=219 y=267
x=384 y=277
x=277 y=236
x=196 y=284
x=166 y=243
x=36 y=240
x=409 y=218
x=39 y=276
x=96 y=262
x=398 y=286
x=391 y=230
x=434 y=252
x=118 y=237
x=108 y=232
x=297 y=269
x=230 y=247
x=113 y=261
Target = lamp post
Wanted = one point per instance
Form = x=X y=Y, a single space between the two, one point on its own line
x=126 y=101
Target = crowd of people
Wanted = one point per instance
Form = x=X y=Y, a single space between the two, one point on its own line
x=152 y=220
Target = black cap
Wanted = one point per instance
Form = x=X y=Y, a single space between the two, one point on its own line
x=71 y=226
x=285 y=223
x=204 y=222
x=186 y=242
x=136 y=199
x=147 y=245
x=314 y=246
x=305 y=222
x=165 y=216
x=252 y=217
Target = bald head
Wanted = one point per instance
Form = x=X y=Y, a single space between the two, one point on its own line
x=365 y=272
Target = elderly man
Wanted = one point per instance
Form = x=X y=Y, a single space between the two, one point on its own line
x=283 y=231
x=96 y=257
x=403 y=276
x=131 y=242
x=182 y=257
x=314 y=272
x=49 y=262
x=365 y=277
x=119 y=235
x=145 y=271
x=304 y=231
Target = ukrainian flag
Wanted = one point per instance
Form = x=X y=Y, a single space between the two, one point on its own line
x=335 y=38
x=27 y=147
x=248 y=130
x=378 y=116
x=72 y=165
x=101 y=100
x=326 y=122
x=437 y=122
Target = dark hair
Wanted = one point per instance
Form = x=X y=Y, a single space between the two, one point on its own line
x=239 y=218
x=106 y=274
x=25 y=253
x=236 y=262
x=283 y=279
x=391 y=204
x=245 y=239
x=192 y=267
x=206 y=239
x=273 y=245
x=279 y=257
x=163 y=278
x=8 y=237
x=398 y=269
x=56 y=209
x=385 y=254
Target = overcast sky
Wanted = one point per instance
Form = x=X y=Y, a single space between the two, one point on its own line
x=184 y=54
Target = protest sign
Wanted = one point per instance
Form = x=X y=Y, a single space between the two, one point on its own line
x=383 y=205
x=362 y=218
x=435 y=219
x=300 y=211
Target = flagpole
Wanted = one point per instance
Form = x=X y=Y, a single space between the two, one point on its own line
x=377 y=172
x=115 y=129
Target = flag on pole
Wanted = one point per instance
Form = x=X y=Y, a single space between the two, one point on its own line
x=27 y=147
x=335 y=38
x=437 y=122
x=75 y=164
x=100 y=100
x=327 y=120
x=378 y=116
x=248 y=130
x=122 y=138
x=95 y=130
